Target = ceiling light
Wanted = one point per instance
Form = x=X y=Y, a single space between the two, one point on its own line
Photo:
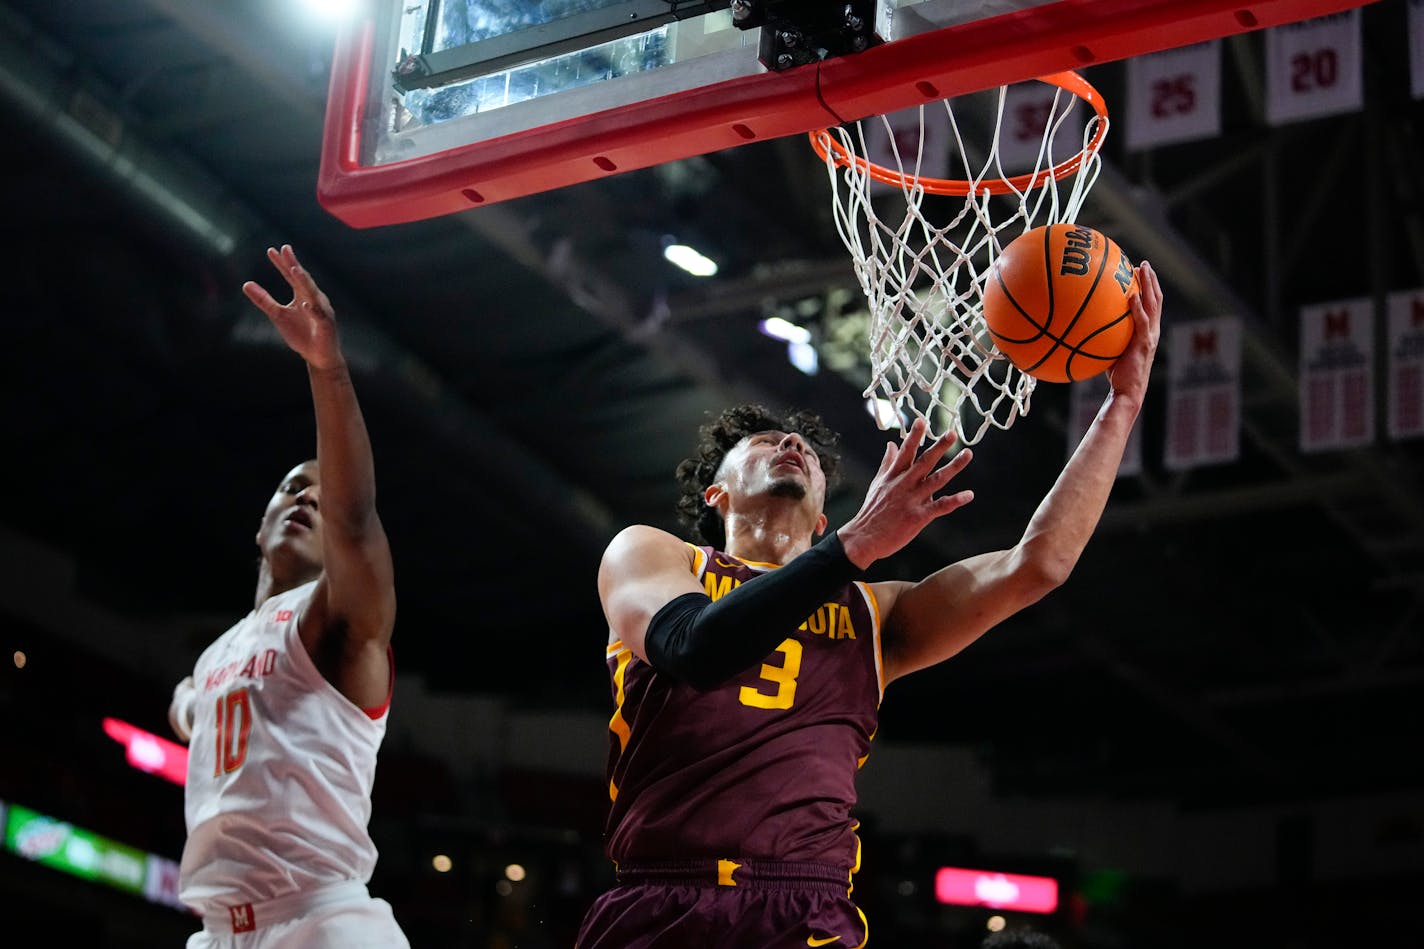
x=803 y=356
x=690 y=259
x=777 y=328
x=333 y=11
x=884 y=412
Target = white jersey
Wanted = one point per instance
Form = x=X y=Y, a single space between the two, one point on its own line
x=280 y=768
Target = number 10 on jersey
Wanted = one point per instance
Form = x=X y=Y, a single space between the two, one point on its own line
x=234 y=723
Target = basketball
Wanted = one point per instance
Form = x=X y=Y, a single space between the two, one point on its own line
x=1056 y=302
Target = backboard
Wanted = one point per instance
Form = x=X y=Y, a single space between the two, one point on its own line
x=439 y=106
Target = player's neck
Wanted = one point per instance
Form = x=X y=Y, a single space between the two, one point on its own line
x=272 y=582
x=769 y=534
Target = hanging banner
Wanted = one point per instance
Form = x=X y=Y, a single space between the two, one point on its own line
x=1416 y=48
x=1085 y=399
x=1405 y=344
x=900 y=144
x=1313 y=68
x=1030 y=109
x=1204 y=393
x=1174 y=96
x=1337 y=401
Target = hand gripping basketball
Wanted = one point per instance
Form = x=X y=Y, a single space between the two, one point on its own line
x=1130 y=373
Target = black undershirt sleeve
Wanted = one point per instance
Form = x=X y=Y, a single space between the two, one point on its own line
x=694 y=640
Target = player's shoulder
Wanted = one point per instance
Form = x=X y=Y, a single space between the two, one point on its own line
x=639 y=547
x=645 y=537
x=886 y=593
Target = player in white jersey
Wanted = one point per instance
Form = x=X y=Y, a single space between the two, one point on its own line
x=285 y=712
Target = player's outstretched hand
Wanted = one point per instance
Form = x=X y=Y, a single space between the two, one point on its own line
x=1130 y=373
x=308 y=323
x=902 y=498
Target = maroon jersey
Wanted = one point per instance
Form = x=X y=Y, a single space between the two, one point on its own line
x=762 y=766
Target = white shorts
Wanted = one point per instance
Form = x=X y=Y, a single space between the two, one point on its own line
x=344 y=916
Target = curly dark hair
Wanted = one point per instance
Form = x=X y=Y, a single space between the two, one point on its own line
x=716 y=438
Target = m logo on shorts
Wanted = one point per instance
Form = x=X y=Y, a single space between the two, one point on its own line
x=242 y=919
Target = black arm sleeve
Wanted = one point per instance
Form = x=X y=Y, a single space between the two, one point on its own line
x=694 y=640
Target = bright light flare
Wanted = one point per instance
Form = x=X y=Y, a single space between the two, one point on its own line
x=804 y=357
x=884 y=412
x=691 y=260
x=332 y=11
x=777 y=328
x=149 y=753
x=1011 y=891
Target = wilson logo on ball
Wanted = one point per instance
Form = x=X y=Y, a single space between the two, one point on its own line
x=1056 y=302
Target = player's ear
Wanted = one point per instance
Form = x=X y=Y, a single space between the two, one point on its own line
x=821 y=522
x=714 y=494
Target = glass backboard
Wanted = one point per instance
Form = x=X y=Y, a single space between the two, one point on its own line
x=440 y=106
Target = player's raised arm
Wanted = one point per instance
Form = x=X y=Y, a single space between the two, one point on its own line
x=932 y=620
x=356 y=591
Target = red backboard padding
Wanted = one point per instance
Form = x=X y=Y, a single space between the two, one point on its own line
x=980 y=54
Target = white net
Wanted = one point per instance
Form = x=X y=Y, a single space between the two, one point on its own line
x=922 y=255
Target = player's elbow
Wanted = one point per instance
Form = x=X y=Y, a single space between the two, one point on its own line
x=705 y=680
x=689 y=661
x=1039 y=571
x=679 y=647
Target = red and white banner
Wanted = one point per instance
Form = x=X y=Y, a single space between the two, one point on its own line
x=1337 y=354
x=1084 y=400
x=1029 y=112
x=1174 y=96
x=1204 y=393
x=1313 y=68
x=1416 y=48
x=1406 y=364
x=915 y=142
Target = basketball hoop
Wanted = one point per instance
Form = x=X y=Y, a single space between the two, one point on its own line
x=930 y=352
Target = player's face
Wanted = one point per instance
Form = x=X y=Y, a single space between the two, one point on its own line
x=291 y=525
x=779 y=464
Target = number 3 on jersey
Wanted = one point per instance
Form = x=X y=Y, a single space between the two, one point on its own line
x=234 y=724
x=783 y=677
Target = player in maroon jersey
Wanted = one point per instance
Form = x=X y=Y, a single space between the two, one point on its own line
x=747 y=673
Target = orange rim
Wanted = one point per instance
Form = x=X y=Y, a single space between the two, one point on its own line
x=830 y=148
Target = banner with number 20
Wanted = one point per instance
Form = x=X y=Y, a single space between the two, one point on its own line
x=1313 y=68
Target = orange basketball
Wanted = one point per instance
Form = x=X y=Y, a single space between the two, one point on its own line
x=1056 y=302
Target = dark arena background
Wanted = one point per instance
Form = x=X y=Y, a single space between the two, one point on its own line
x=1209 y=737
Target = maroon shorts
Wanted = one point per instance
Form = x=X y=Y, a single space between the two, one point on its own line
x=738 y=905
